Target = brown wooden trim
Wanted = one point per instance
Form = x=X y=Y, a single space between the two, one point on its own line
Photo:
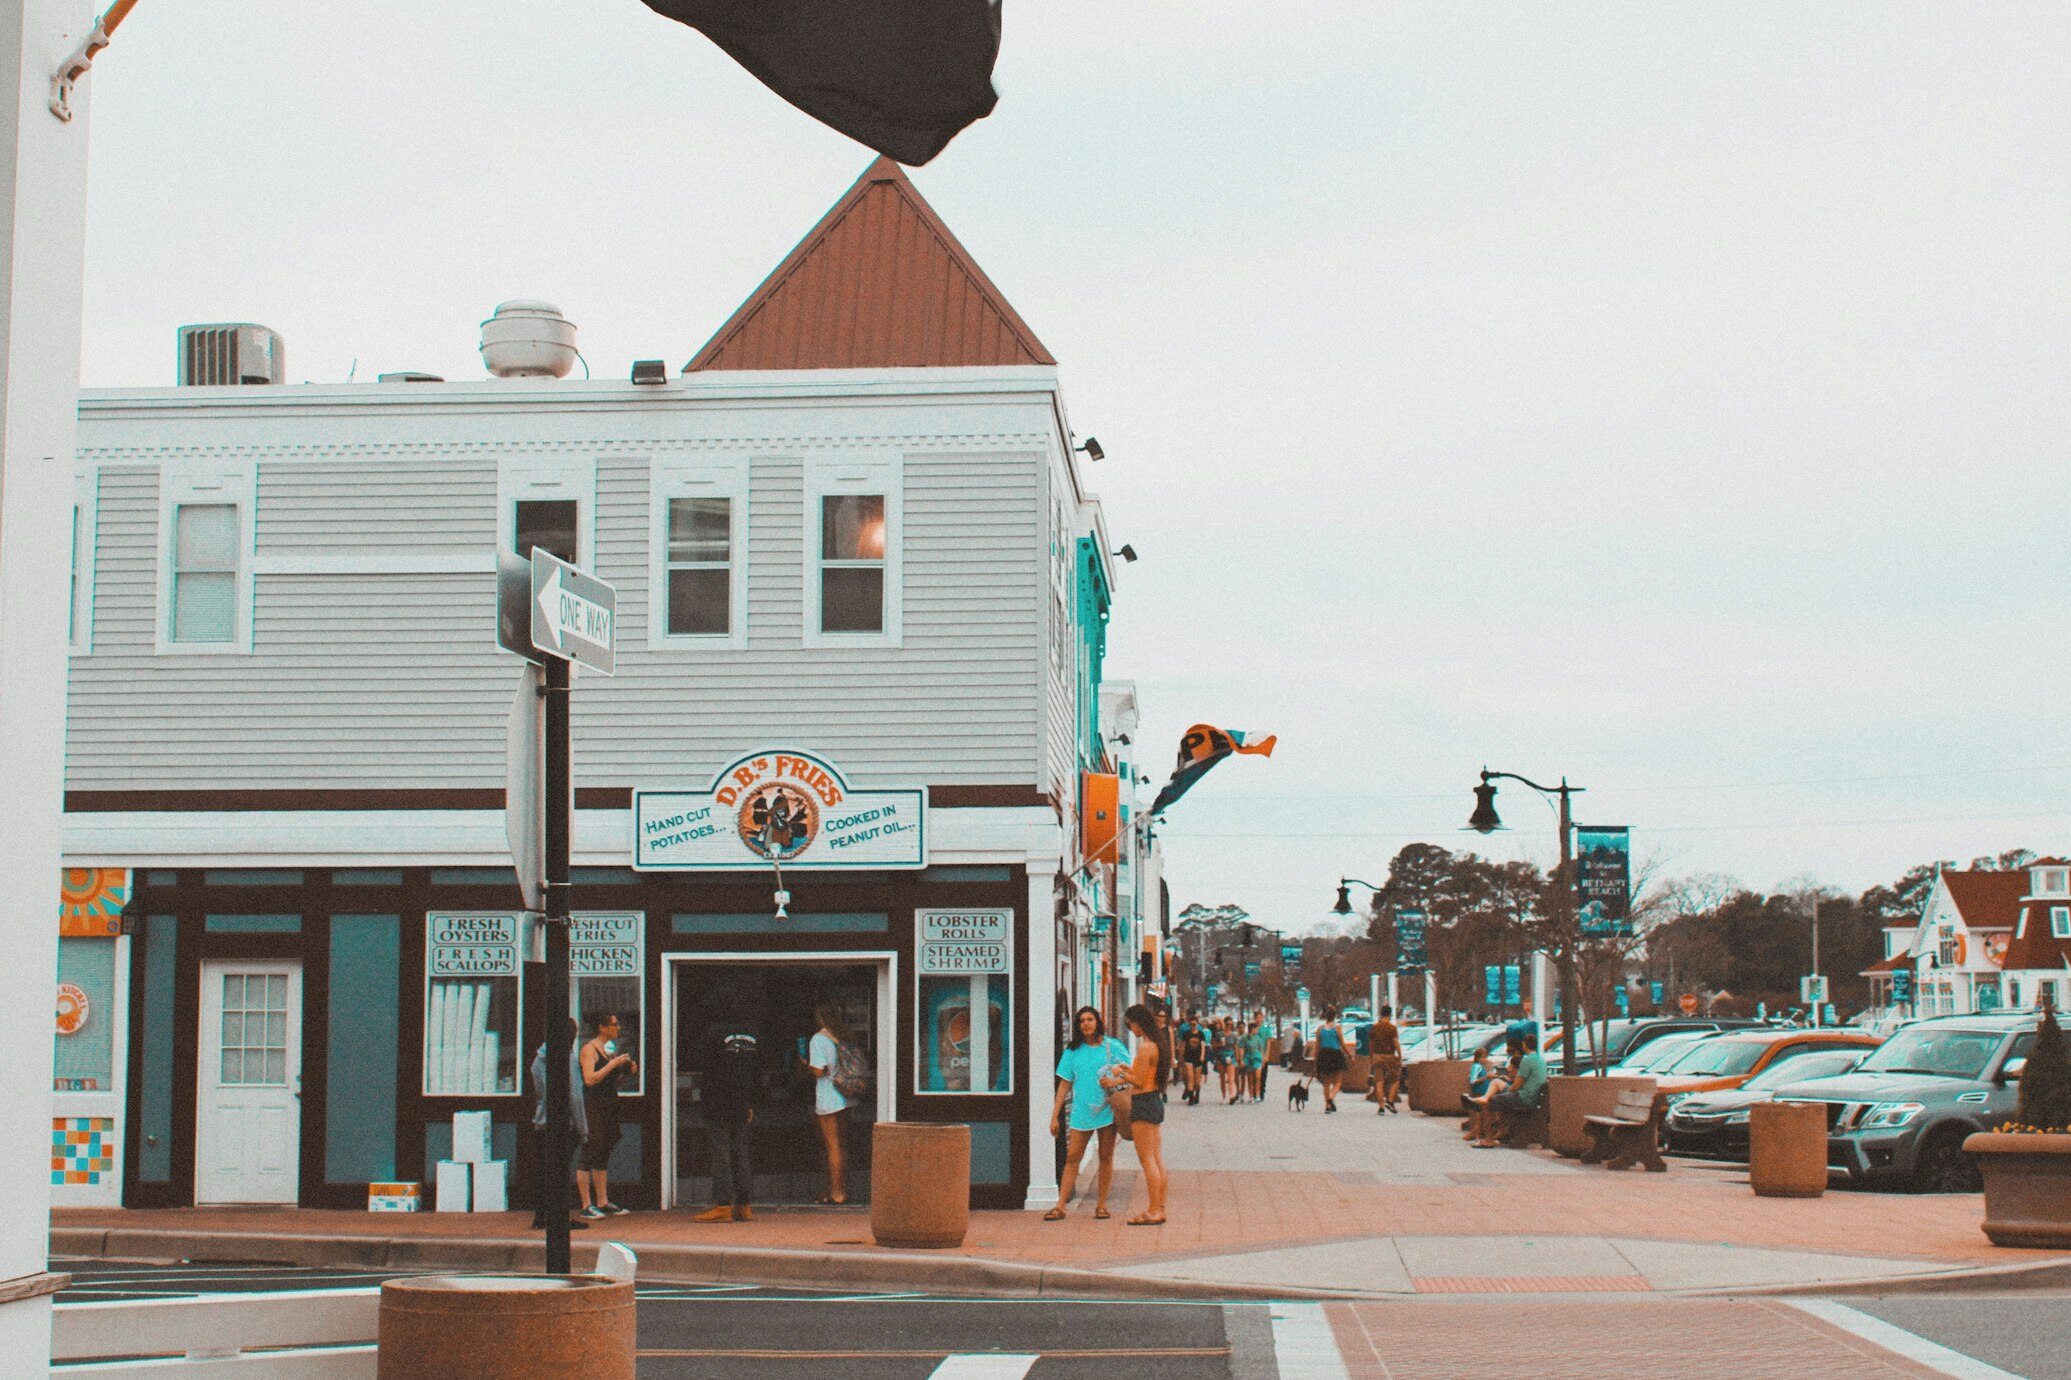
x=456 y=798
x=988 y=797
x=33 y=1287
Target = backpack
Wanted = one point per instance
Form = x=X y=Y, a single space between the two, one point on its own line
x=853 y=1078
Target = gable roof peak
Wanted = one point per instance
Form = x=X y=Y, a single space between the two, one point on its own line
x=879 y=283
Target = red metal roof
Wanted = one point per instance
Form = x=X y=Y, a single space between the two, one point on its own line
x=2033 y=946
x=1987 y=900
x=879 y=283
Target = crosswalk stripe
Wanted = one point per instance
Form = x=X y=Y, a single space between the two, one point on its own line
x=996 y=1367
x=1892 y=1337
x=1303 y=1345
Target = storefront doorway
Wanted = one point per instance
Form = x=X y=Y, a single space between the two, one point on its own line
x=248 y=1134
x=776 y=998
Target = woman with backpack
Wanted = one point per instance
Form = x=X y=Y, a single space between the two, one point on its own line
x=823 y=1053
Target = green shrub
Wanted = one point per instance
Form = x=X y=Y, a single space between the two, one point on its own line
x=2046 y=1081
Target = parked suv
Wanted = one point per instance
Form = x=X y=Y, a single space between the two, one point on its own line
x=1900 y=1118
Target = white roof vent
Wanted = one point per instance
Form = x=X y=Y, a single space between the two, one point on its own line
x=528 y=340
x=230 y=353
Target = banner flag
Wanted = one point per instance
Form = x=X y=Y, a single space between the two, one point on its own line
x=1200 y=748
x=1603 y=879
x=901 y=76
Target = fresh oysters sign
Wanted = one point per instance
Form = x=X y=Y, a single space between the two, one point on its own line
x=784 y=808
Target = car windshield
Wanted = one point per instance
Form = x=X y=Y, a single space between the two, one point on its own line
x=1718 y=1058
x=1937 y=1050
x=1824 y=1064
x=1653 y=1056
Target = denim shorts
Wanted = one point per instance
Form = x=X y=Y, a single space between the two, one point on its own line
x=1148 y=1108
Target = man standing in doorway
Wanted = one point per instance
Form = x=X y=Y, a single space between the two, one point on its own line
x=728 y=1067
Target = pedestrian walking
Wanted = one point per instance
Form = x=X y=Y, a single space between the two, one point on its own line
x=829 y=1106
x=604 y=1068
x=729 y=1067
x=1330 y=1057
x=1145 y=1079
x=1226 y=1058
x=1194 y=1054
x=1385 y=1040
x=578 y=1129
x=1255 y=1061
x=1082 y=1108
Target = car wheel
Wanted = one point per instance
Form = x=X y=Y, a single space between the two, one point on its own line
x=1943 y=1167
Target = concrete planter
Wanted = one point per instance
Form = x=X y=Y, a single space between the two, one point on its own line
x=1436 y=1085
x=507 y=1327
x=1787 y=1149
x=1570 y=1098
x=1358 y=1073
x=920 y=1183
x=2027 y=1187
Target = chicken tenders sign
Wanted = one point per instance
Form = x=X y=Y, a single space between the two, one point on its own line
x=781 y=807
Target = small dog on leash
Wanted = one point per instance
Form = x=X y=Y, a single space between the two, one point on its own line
x=1297 y=1096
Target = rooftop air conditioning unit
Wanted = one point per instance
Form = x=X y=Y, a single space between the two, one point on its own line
x=229 y=353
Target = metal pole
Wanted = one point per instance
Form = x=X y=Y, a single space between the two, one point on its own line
x=1818 y=1008
x=558 y=773
x=1569 y=936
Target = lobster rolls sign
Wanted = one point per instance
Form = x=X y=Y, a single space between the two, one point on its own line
x=783 y=808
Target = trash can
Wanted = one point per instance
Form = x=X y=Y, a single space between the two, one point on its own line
x=920 y=1183
x=507 y=1327
x=1787 y=1149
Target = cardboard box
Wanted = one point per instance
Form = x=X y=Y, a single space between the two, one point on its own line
x=452 y=1186
x=492 y=1186
x=471 y=1137
x=393 y=1197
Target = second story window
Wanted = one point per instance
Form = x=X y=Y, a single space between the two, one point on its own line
x=2060 y=922
x=852 y=563
x=205 y=565
x=698 y=551
x=700 y=562
x=551 y=524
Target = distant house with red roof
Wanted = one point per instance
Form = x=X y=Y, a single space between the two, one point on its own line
x=1985 y=941
x=2037 y=962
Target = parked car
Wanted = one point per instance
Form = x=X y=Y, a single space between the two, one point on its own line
x=1460 y=1042
x=1628 y=1037
x=1714 y=1125
x=1651 y=1058
x=1900 y=1118
x=1725 y=1061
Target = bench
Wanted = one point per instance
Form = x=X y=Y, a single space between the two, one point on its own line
x=1630 y=1135
x=1527 y=1128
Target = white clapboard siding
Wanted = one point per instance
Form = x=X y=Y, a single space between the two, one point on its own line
x=380 y=676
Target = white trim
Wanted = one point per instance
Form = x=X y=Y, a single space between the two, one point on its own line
x=547 y=478
x=697 y=476
x=1897 y=1340
x=828 y=476
x=86 y=505
x=383 y=560
x=461 y=838
x=885 y=960
x=216 y=481
x=1039 y=1020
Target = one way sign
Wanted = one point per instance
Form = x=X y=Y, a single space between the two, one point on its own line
x=574 y=616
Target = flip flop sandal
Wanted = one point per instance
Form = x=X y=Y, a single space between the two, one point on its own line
x=1054 y=1215
x=1101 y=1214
x=1146 y=1222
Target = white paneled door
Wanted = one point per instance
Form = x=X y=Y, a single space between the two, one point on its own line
x=248 y=1133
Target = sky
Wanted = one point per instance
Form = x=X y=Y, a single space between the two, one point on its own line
x=1671 y=397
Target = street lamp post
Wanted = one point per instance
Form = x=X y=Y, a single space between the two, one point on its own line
x=1485 y=821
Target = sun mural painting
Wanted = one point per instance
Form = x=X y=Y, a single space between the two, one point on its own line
x=90 y=901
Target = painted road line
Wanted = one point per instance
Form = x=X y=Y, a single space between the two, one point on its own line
x=1303 y=1345
x=1002 y=1367
x=1910 y=1345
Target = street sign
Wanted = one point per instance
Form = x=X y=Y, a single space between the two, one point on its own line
x=1410 y=956
x=514 y=605
x=574 y=615
x=524 y=786
x=1657 y=993
x=1688 y=1001
x=1624 y=1003
x=1902 y=987
x=1812 y=989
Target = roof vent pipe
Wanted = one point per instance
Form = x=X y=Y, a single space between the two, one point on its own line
x=528 y=340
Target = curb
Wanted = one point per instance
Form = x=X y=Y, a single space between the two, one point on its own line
x=2026 y=1274
x=764 y=1265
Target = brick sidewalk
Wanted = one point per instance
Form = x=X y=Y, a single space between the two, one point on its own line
x=1256 y=1178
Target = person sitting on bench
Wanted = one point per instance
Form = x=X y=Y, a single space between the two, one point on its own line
x=1520 y=1095
x=1480 y=1073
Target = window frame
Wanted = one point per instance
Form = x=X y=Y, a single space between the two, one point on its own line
x=833 y=477
x=2060 y=922
x=1009 y=981
x=548 y=477
x=517 y=977
x=86 y=526
x=203 y=484
x=697 y=477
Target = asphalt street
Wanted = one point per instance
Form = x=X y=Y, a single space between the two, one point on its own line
x=718 y=1332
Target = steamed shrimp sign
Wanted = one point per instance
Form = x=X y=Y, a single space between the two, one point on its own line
x=784 y=808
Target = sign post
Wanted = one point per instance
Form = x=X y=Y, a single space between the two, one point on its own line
x=552 y=614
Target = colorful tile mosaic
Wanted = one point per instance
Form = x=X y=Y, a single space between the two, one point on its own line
x=82 y=1149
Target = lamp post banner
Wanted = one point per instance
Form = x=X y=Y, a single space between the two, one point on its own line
x=781 y=806
x=1409 y=941
x=1603 y=879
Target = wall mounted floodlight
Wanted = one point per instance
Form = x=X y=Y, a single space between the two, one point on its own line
x=1092 y=449
x=1127 y=553
x=650 y=371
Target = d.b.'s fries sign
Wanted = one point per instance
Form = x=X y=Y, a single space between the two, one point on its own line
x=782 y=807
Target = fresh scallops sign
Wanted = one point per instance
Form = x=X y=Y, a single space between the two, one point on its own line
x=781 y=807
